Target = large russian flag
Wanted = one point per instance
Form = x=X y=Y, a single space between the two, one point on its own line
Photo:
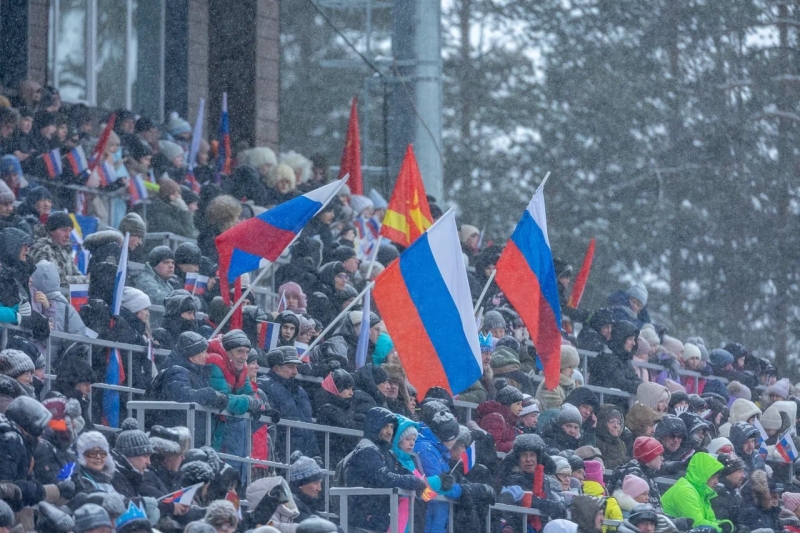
x=242 y=248
x=425 y=302
x=527 y=277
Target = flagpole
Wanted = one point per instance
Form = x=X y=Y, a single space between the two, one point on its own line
x=541 y=185
x=483 y=292
x=253 y=283
x=340 y=315
x=374 y=256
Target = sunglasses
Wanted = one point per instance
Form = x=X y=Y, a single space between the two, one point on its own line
x=96 y=454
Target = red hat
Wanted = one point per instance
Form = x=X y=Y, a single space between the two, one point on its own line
x=645 y=449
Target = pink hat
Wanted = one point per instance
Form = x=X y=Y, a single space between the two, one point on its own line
x=634 y=486
x=791 y=500
x=594 y=471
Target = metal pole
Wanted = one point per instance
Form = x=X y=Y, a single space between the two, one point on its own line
x=253 y=283
x=374 y=257
x=340 y=315
x=393 y=525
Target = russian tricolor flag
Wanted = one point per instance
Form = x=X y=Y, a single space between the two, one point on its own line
x=77 y=160
x=106 y=173
x=189 y=281
x=527 y=277
x=78 y=295
x=786 y=448
x=200 y=285
x=268 y=335
x=52 y=162
x=242 y=248
x=425 y=301
x=184 y=496
x=468 y=458
x=115 y=372
x=136 y=189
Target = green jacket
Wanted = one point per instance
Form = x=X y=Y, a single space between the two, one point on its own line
x=690 y=496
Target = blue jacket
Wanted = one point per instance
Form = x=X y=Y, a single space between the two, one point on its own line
x=434 y=457
x=373 y=465
x=291 y=401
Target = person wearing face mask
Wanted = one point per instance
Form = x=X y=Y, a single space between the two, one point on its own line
x=54 y=450
x=289 y=399
x=613 y=368
x=499 y=416
x=16 y=267
x=335 y=398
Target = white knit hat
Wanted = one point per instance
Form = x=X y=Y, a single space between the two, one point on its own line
x=134 y=300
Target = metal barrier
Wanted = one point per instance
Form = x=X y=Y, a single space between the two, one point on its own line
x=165 y=238
x=394 y=503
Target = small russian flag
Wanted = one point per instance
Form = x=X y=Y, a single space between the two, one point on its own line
x=786 y=448
x=136 y=189
x=78 y=295
x=183 y=496
x=193 y=182
x=268 y=335
x=190 y=281
x=77 y=160
x=282 y=302
x=52 y=161
x=106 y=173
x=200 y=285
x=468 y=458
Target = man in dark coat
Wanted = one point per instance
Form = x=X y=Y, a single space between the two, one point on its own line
x=373 y=465
x=289 y=399
x=370 y=382
x=336 y=409
x=743 y=436
x=596 y=334
x=614 y=369
x=729 y=501
x=16 y=267
x=186 y=380
x=587 y=403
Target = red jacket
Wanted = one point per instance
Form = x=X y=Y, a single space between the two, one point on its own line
x=218 y=357
x=498 y=420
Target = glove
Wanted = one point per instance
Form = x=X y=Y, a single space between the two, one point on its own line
x=478 y=494
x=683 y=524
x=255 y=406
x=274 y=414
x=447 y=482
x=24 y=309
x=220 y=401
x=11 y=494
x=67 y=489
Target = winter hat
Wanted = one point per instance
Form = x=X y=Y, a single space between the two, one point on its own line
x=577 y=376
x=132 y=223
x=643 y=512
x=342 y=379
x=720 y=358
x=716 y=388
x=645 y=449
x=235 y=338
x=359 y=203
x=701 y=344
x=195 y=472
x=66 y=414
x=504 y=359
x=10 y=165
x=167 y=188
x=569 y=356
x=575 y=461
x=650 y=393
x=304 y=470
x=190 y=344
x=53 y=520
x=285 y=355
x=28 y=414
x=6 y=515
x=717 y=445
x=14 y=363
x=429 y=409
x=6 y=195
x=562 y=465
x=198 y=526
x=529 y=442
x=529 y=405
x=131 y=442
x=377 y=199
x=135 y=300
x=220 y=513
x=466 y=231
x=46 y=279
x=560 y=525
x=791 y=500
x=568 y=414
x=642 y=347
x=779 y=388
x=58 y=220
x=493 y=319
x=383 y=347
x=743 y=410
x=464 y=437
x=594 y=471
x=738 y=390
x=649 y=334
x=691 y=351
x=730 y=463
x=257 y=157
x=634 y=486
x=188 y=253
x=588 y=453
x=314 y=524
x=445 y=426
x=672 y=345
x=160 y=253
x=639 y=292
x=673 y=387
x=507 y=394
x=771 y=419
x=91 y=516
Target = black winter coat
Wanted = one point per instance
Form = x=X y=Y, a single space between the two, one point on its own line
x=728 y=503
x=50 y=457
x=305 y=505
x=291 y=401
x=614 y=369
x=338 y=412
x=130 y=482
x=637 y=469
x=16 y=462
x=373 y=465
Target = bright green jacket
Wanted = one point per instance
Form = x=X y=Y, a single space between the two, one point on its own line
x=690 y=496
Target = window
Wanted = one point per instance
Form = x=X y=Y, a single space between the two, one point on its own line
x=109 y=53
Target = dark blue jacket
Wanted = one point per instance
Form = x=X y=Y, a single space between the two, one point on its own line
x=373 y=465
x=291 y=401
x=16 y=454
x=183 y=381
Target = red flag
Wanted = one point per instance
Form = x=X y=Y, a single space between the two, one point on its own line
x=237 y=318
x=582 y=277
x=408 y=214
x=351 y=156
x=100 y=148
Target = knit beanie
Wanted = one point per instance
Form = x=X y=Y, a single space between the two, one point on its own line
x=131 y=442
x=167 y=188
x=529 y=442
x=569 y=356
x=791 y=500
x=639 y=292
x=220 y=513
x=359 y=203
x=738 y=390
x=235 y=338
x=58 y=220
x=135 y=300
x=91 y=516
x=170 y=149
x=507 y=394
x=189 y=344
x=720 y=358
x=160 y=253
x=730 y=463
x=313 y=524
x=194 y=472
x=493 y=319
x=588 y=453
x=9 y=164
x=568 y=414
x=132 y=223
x=672 y=345
x=691 y=351
x=342 y=379
x=14 y=363
x=562 y=465
x=634 y=486
x=188 y=253
x=649 y=334
x=645 y=449
x=779 y=388
x=594 y=471
x=720 y=445
x=673 y=387
x=304 y=470
x=6 y=195
x=464 y=437
x=529 y=405
x=53 y=520
x=642 y=348
x=444 y=426
x=771 y=419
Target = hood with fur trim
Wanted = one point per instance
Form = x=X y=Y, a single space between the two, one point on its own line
x=95 y=439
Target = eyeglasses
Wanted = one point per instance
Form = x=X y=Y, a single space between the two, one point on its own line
x=97 y=453
x=342 y=275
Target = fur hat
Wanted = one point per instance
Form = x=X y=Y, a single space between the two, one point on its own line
x=53 y=520
x=569 y=356
x=257 y=157
x=223 y=211
x=132 y=223
x=195 y=472
x=529 y=442
x=645 y=449
x=14 y=363
x=131 y=442
x=135 y=300
x=279 y=173
x=301 y=165
x=199 y=526
x=304 y=470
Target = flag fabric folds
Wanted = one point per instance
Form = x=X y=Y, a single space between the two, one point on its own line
x=52 y=162
x=78 y=295
x=77 y=160
x=183 y=496
x=115 y=372
x=351 y=155
x=426 y=304
x=137 y=191
x=100 y=147
x=786 y=448
x=268 y=333
x=408 y=214
x=526 y=275
x=224 y=150
x=363 y=332
x=582 y=277
x=189 y=281
x=106 y=173
x=194 y=148
x=266 y=236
